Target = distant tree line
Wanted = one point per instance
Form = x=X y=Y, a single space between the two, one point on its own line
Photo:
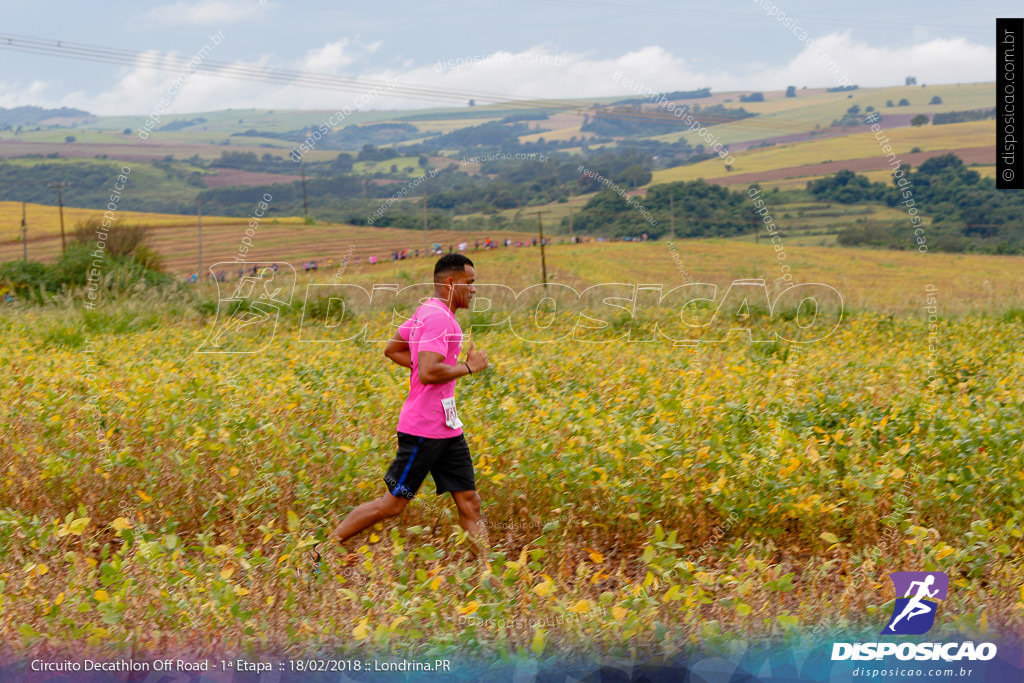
x=671 y=96
x=968 y=213
x=632 y=121
x=961 y=116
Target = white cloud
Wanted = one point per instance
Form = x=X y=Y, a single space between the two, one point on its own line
x=939 y=60
x=332 y=57
x=204 y=12
x=822 y=64
x=13 y=95
x=537 y=72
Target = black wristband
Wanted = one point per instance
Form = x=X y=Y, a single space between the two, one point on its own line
x=466 y=363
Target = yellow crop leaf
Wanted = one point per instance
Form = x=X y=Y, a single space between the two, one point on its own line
x=398 y=621
x=361 y=632
x=101 y=595
x=78 y=526
x=543 y=588
x=241 y=591
x=374 y=538
x=120 y=524
x=537 y=646
x=233 y=471
x=470 y=608
x=580 y=607
x=59 y=599
x=596 y=557
x=227 y=572
x=794 y=464
x=619 y=613
x=944 y=552
x=42 y=569
x=435 y=583
x=144 y=496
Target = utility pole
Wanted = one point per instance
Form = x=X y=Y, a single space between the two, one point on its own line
x=60 y=203
x=305 y=203
x=426 y=233
x=672 y=215
x=570 y=216
x=199 y=213
x=24 y=235
x=543 y=262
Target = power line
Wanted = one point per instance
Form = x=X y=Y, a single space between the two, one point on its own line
x=86 y=52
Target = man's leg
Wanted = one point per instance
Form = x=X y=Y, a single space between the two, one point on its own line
x=403 y=479
x=468 y=503
x=368 y=514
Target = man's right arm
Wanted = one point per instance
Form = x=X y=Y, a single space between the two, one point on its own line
x=397 y=349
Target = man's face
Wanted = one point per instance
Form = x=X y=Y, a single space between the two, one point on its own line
x=462 y=289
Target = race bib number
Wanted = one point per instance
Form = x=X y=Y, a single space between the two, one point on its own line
x=451 y=418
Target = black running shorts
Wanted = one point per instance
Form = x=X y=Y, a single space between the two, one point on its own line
x=447 y=460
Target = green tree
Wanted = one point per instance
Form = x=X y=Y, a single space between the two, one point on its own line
x=919 y=120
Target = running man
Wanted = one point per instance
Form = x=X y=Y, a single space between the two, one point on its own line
x=914 y=606
x=430 y=435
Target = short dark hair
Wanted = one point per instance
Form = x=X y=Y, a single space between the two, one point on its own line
x=449 y=263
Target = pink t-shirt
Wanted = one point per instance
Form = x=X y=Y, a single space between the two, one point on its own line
x=431 y=328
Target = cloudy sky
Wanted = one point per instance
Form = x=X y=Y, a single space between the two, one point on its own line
x=527 y=48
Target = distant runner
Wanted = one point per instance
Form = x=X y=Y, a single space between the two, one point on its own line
x=429 y=430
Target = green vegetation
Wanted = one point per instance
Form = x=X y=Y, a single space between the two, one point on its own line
x=969 y=213
x=153 y=187
x=124 y=262
x=155 y=496
x=512 y=168
x=960 y=116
